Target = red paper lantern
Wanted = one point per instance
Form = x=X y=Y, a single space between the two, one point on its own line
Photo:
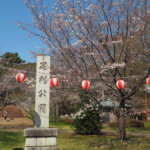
x=148 y=80
x=120 y=84
x=20 y=77
x=54 y=82
x=85 y=84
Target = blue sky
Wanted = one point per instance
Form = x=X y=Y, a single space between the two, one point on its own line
x=12 y=38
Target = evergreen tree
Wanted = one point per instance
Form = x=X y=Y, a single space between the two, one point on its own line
x=11 y=59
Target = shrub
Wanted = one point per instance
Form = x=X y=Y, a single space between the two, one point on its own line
x=88 y=122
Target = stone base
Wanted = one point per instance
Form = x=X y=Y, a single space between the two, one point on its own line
x=41 y=148
x=41 y=138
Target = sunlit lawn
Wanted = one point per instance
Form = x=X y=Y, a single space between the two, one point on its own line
x=11 y=139
x=93 y=142
x=145 y=129
x=70 y=141
x=14 y=140
x=61 y=126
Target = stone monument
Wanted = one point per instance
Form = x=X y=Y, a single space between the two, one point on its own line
x=41 y=137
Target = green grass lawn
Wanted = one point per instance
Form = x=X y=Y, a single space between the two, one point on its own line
x=61 y=126
x=146 y=128
x=11 y=139
x=70 y=141
x=14 y=140
x=102 y=142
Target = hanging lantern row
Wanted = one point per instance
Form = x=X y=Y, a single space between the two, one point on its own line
x=121 y=84
x=21 y=77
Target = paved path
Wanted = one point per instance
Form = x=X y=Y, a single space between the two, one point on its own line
x=112 y=132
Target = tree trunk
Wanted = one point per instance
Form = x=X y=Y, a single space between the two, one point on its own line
x=121 y=123
x=56 y=113
x=122 y=120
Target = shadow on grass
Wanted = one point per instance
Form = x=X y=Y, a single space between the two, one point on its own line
x=18 y=149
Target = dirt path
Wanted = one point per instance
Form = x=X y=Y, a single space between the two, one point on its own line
x=140 y=134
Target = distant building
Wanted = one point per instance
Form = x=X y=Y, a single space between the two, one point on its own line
x=108 y=106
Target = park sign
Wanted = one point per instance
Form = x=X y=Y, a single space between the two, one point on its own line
x=41 y=137
x=42 y=96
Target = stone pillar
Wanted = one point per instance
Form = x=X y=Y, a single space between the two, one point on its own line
x=41 y=138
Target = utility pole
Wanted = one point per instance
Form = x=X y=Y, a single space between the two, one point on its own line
x=145 y=102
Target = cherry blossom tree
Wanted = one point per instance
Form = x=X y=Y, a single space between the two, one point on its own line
x=96 y=39
x=16 y=93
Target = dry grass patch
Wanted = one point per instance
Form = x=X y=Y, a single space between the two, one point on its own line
x=16 y=123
